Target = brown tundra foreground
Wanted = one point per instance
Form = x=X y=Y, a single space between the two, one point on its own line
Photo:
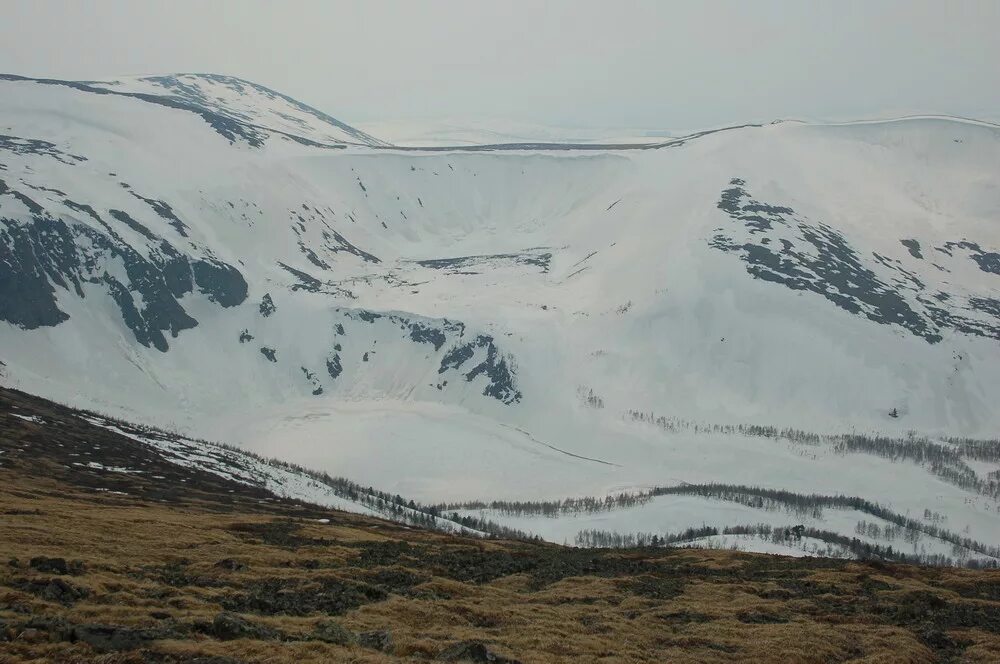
x=177 y=565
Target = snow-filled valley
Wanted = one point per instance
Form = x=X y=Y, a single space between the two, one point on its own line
x=813 y=309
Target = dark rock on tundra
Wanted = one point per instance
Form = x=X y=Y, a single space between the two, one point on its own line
x=329 y=631
x=229 y=626
x=107 y=638
x=379 y=639
x=472 y=651
x=56 y=565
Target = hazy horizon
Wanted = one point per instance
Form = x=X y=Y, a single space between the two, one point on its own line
x=651 y=65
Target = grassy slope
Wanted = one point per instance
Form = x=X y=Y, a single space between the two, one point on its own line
x=164 y=557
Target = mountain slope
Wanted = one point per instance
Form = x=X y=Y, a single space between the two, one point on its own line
x=237 y=109
x=516 y=324
x=214 y=570
x=246 y=102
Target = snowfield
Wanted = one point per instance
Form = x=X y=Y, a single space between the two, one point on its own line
x=206 y=255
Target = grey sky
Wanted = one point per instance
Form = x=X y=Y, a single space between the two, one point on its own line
x=580 y=63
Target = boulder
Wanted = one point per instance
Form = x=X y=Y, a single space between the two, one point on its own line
x=229 y=626
x=106 y=638
x=231 y=564
x=379 y=639
x=333 y=632
x=49 y=565
x=472 y=651
x=57 y=590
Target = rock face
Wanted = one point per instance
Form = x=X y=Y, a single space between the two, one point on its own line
x=46 y=251
x=495 y=366
x=780 y=246
x=267 y=307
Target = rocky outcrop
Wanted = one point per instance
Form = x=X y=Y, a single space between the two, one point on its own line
x=47 y=251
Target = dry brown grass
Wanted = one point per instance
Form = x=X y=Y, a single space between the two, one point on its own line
x=153 y=565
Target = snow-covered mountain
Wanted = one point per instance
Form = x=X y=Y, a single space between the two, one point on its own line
x=247 y=103
x=204 y=254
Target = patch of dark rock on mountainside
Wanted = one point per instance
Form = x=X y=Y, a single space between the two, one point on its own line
x=51 y=190
x=988 y=305
x=46 y=252
x=317 y=387
x=267 y=307
x=311 y=284
x=89 y=211
x=312 y=257
x=26 y=201
x=306 y=281
x=38 y=147
x=222 y=283
x=435 y=333
x=27 y=296
x=365 y=315
x=339 y=243
x=988 y=261
x=269 y=353
x=126 y=219
x=781 y=247
x=426 y=334
x=538 y=259
x=496 y=367
x=427 y=331
x=333 y=366
x=148 y=325
x=457 y=356
x=913 y=247
x=963 y=323
x=831 y=268
x=165 y=211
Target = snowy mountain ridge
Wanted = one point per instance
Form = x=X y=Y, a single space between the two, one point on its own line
x=245 y=101
x=526 y=322
x=236 y=108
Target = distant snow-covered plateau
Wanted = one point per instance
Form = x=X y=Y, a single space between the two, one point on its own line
x=780 y=337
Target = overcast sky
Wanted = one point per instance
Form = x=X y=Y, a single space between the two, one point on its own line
x=575 y=63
